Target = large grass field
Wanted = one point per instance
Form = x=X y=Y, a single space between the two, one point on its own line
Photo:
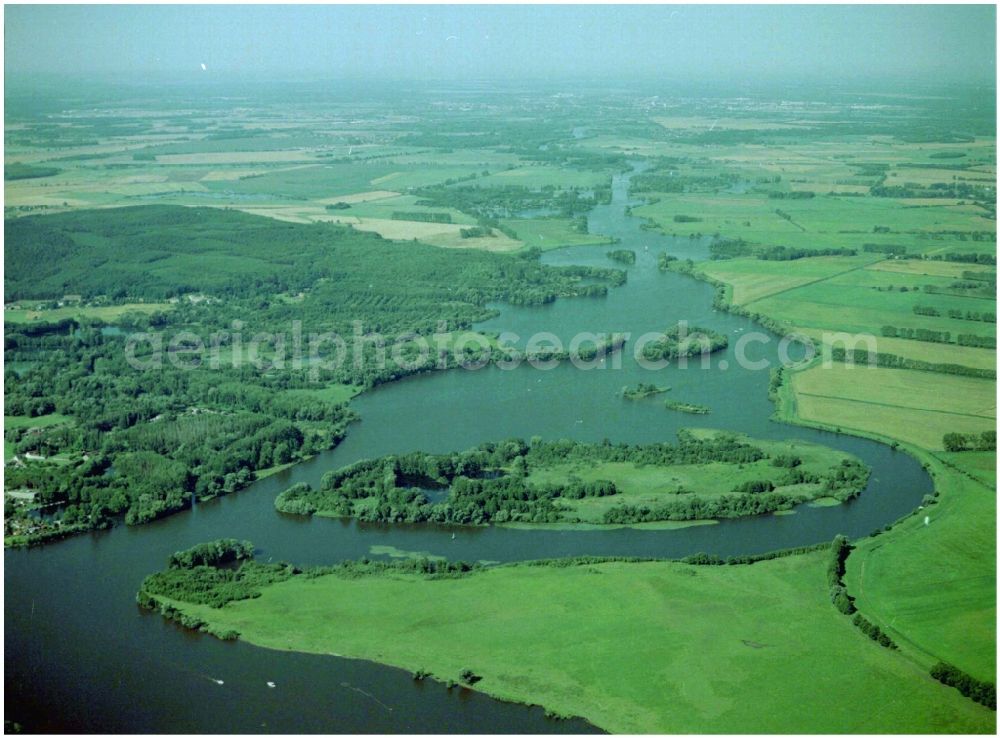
x=918 y=407
x=332 y=393
x=933 y=586
x=754 y=279
x=551 y=233
x=633 y=647
x=545 y=176
x=446 y=235
x=935 y=353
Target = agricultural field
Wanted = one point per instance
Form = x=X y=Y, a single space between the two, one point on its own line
x=863 y=294
x=754 y=279
x=819 y=192
x=913 y=406
x=302 y=176
x=820 y=222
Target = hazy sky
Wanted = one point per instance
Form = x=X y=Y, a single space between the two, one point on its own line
x=441 y=42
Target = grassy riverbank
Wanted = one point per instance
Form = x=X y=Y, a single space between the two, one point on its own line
x=632 y=647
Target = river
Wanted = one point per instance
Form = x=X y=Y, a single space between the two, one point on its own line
x=82 y=657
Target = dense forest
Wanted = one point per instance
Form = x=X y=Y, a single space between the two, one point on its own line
x=146 y=443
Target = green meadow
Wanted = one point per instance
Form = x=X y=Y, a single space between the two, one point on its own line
x=648 y=485
x=551 y=233
x=932 y=585
x=18 y=422
x=632 y=647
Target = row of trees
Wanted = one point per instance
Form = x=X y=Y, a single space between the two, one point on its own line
x=930 y=336
x=698 y=508
x=788 y=253
x=862 y=357
x=977 y=690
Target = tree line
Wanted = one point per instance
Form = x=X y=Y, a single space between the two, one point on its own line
x=985 y=441
x=863 y=357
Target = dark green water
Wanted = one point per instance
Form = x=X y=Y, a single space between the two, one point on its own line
x=80 y=656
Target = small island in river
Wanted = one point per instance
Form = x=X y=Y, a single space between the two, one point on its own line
x=642 y=391
x=708 y=474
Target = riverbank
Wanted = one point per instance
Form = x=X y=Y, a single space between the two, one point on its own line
x=721 y=645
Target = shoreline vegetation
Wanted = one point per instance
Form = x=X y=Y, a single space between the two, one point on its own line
x=707 y=475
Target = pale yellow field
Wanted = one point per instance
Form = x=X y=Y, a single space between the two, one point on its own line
x=920 y=427
x=18 y=196
x=230 y=175
x=918 y=407
x=235 y=157
x=303 y=214
x=359 y=197
x=732 y=124
x=499 y=243
x=935 y=353
x=929 y=268
x=446 y=235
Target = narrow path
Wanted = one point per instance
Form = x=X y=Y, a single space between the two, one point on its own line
x=901 y=407
x=812 y=282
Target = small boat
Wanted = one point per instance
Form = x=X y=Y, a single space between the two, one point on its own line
x=272 y=685
x=218 y=681
x=453 y=536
